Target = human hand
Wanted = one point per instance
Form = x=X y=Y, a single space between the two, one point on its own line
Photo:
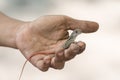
x=41 y=40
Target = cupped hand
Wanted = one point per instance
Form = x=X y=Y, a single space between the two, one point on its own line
x=41 y=40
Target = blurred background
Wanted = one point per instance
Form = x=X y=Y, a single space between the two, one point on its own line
x=100 y=60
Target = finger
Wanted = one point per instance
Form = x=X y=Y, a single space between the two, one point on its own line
x=59 y=53
x=36 y=58
x=84 y=26
x=47 y=60
x=57 y=65
x=71 y=52
x=42 y=66
x=39 y=62
x=59 y=57
x=74 y=49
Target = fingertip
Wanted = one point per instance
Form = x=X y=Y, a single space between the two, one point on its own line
x=93 y=26
x=82 y=46
x=88 y=26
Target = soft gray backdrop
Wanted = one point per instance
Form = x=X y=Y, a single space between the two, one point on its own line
x=100 y=60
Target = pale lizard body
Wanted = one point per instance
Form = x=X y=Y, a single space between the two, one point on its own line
x=72 y=38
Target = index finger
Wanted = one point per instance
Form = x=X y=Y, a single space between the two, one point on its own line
x=84 y=26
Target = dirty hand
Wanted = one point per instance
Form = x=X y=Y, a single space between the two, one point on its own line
x=41 y=40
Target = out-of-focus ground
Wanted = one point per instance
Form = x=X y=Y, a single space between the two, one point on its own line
x=100 y=60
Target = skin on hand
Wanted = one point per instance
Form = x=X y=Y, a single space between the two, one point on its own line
x=40 y=41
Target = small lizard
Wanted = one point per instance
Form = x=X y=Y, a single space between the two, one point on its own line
x=72 y=37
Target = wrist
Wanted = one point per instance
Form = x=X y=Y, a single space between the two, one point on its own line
x=8 y=31
x=13 y=34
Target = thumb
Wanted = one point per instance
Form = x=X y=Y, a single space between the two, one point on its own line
x=84 y=26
